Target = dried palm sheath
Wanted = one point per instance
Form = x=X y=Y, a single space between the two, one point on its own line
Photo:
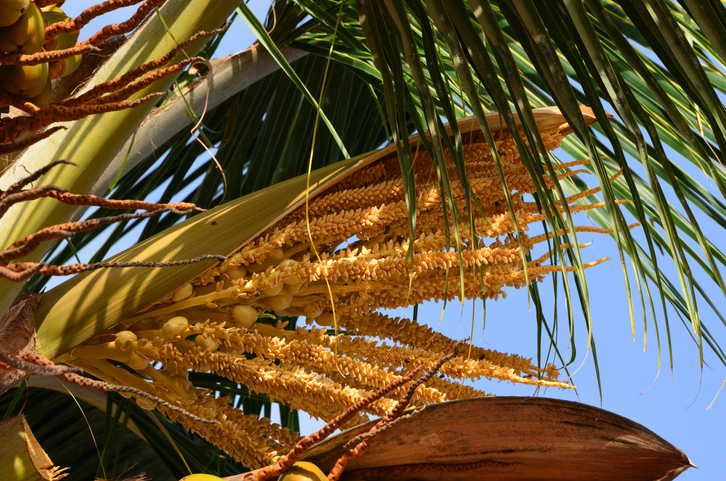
x=164 y=323
x=524 y=438
x=29 y=460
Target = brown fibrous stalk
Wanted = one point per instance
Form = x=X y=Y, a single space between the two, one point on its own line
x=15 y=126
x=20 y=271
x=39 y=365
x=28 y=141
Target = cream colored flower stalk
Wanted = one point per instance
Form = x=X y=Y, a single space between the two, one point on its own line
x=224 y=321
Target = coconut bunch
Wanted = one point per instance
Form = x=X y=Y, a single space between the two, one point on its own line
x=22 y=31
x=23 y=26
x=340 y=261
x=39 y=43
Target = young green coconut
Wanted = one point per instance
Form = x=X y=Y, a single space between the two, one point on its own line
x=11 y=11
x=26 y=35
x=52 y=14
x=43 y=98
x=25 y=80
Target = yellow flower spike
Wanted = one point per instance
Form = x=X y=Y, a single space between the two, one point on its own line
x=454 y=390
x=409 y=332
x=298 y=350
x=321 y=398
x=306 y=368
x=254 y=442
x=396 y=357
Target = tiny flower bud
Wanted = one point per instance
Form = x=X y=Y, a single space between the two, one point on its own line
x=184 y=292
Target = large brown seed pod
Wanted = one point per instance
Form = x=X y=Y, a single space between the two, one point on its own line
x=26 y=35
x=11 y=11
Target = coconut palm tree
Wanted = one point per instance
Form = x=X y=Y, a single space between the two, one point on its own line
x=331 y=80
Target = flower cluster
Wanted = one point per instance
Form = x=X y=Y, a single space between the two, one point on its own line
x=339 y=266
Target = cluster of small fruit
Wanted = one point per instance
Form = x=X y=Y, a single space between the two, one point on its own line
x=22 y=31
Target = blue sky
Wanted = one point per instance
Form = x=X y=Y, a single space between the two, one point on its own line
x=674 y=406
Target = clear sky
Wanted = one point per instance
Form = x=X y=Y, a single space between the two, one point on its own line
x=674 y=406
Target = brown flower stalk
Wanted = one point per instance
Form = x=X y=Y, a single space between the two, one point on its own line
x=46 y=56
x=75 y=25
x=20 y=271
x=28 y=141
x=11 y=128
x=38 y=365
